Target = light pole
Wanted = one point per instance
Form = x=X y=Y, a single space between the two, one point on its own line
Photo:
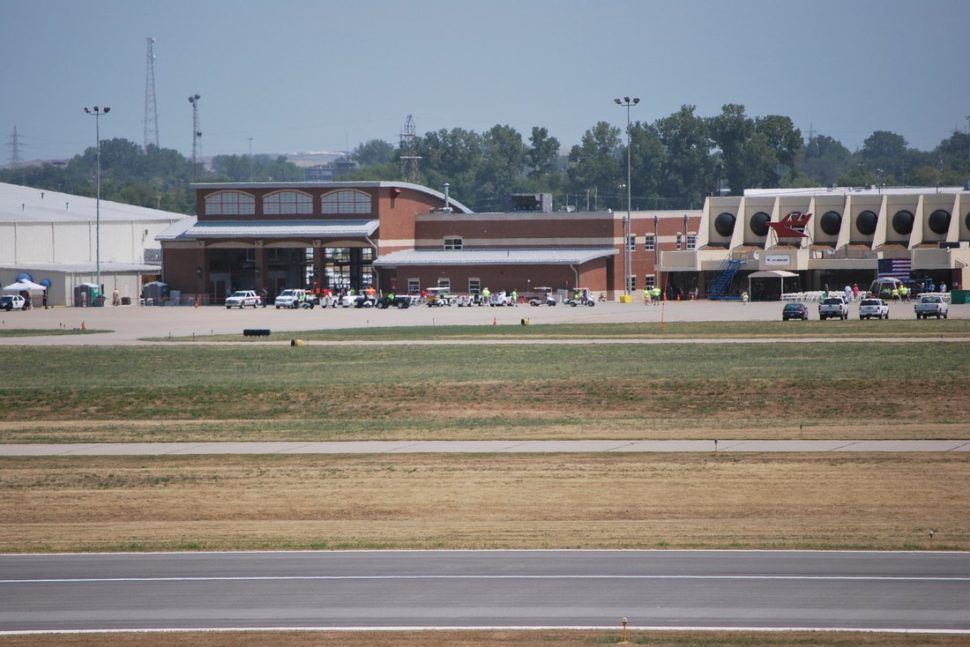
x=627 y=259
x=97 y=112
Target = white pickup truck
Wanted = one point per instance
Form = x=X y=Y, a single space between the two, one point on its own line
x=931 y=305
x=870 y=308
x=833 y=308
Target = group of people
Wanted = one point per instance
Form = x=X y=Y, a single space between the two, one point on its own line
x=652 y=295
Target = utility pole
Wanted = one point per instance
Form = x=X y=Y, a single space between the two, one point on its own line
x=196 y=133
x=627 y=102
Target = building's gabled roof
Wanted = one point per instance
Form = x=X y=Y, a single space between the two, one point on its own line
x=107 y=267
x=245 y=186
x=280 y=229
x=24 y=204
x=510 y=256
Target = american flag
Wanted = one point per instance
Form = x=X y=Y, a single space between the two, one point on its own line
x=897 y=268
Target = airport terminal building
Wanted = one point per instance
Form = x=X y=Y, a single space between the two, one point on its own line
x=404 y=237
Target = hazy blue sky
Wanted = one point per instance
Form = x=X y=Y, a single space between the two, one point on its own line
x=313 y=75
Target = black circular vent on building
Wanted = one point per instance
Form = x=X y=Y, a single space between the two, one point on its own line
x=903 y=222
x=939 y=221
x=966 y=220
x=865 y=222
x=724 y=224
x=759 y=223
x=831 y=222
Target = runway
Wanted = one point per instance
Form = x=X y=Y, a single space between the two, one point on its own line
x=768 y=590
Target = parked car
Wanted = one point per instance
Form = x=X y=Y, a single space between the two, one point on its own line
x=242 y=298
x=931 y=305
x=10 y=302
x=833 y=308
x=794 y=311
x=870 y=308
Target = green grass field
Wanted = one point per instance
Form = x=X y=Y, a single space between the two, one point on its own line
x=878 y=389
x=674 y=330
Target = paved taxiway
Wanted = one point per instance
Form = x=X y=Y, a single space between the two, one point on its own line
x=487 y=589
x=481 y=447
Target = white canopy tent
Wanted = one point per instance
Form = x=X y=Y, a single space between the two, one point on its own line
x=21 y=286
x=781 y=275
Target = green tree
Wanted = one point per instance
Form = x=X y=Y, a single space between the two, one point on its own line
x=885 y=154
x=453 y=157
x=501 y=166
x=689 y=167
x=760 y=162
x=543 y=153
x=647 y=159
x=784 y=140
x=594 y=165
x=373 y=152
x=824 y=160
x=730 y=131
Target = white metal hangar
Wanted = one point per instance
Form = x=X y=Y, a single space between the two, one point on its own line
x=58 y=238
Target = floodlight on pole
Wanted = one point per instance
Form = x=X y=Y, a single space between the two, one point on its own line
x=97 y=112
x=627 y=102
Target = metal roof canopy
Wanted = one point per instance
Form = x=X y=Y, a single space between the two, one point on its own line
x=281 y=228
x=495 y=257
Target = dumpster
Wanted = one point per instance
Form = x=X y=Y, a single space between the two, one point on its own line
x=960 y=297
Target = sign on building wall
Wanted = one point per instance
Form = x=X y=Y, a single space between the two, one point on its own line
x=778 y=259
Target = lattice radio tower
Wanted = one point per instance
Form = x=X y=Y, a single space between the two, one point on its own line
x=14 y=146
x=151 y=108
x=409 y=151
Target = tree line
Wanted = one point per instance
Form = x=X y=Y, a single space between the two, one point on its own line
x=676 y=162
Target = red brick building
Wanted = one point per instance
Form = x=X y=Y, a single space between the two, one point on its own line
x=403 y=237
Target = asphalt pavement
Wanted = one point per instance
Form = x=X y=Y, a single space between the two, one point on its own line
x=124 y=325
x=363 y=590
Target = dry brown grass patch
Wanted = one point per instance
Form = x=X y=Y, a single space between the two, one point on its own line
x=884 y=501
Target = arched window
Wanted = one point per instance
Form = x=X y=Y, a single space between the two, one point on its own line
x=337 y=202
x=230 y=203
x=288 y=203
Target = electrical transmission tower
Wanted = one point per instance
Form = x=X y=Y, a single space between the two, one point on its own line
x=151 y=108
x=409 y=151
x=196 y=133
x=14 y=146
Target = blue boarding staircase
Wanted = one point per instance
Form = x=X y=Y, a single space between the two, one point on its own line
x=722 y=280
